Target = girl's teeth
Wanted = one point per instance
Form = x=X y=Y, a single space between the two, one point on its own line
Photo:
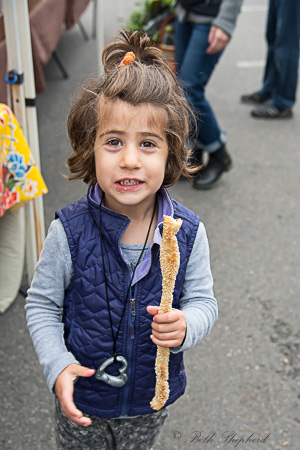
x=128 y=182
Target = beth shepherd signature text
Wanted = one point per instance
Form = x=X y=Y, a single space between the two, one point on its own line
x=228 y=437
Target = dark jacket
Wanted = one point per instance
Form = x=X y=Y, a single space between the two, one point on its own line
x=201 y=7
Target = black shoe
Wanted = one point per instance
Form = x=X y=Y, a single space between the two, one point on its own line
x=219 y=162
x=270 y=112
x=253 y=99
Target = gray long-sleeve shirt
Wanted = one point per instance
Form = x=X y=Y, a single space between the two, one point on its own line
x=54 y=271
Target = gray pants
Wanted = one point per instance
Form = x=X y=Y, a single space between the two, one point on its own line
x=139 y=433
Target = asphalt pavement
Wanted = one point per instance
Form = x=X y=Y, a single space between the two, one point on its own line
x=244 y=378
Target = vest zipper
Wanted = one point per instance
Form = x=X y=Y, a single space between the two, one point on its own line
x=130 y=341
x=132 y=317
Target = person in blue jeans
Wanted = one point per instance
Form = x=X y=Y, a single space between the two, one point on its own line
x=203 y=29
x=278 y=94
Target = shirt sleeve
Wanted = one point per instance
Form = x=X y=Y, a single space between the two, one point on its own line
x=44 y=304
x=197 y=300
x=227 y=15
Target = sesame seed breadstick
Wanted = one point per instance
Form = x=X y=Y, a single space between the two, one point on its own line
x=169 y=263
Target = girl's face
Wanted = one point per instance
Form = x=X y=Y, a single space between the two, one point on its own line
x=131 y=152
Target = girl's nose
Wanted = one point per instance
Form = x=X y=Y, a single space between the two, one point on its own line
x=130 y=157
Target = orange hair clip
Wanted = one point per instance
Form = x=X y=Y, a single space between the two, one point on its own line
x=128 y=59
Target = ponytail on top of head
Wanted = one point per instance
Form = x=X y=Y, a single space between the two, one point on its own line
x=146 y=79
x=132 y=41
x=142 y=78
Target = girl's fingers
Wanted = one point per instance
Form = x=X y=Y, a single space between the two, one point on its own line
x=76 y=416
x=70 y=409
x=165 y=327
x=169 y=343
x=65 y=389
x=170 y=336
x=153 y=310
x=81 y=371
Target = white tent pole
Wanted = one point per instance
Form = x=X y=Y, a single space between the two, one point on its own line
x=99 y=33
x=32 y=125
x=27 y=65
x=14 y=59
x=14 y=24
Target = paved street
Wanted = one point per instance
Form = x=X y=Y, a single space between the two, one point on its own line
x=244 y=378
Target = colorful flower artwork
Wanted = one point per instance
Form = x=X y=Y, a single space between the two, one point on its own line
x=20 y=179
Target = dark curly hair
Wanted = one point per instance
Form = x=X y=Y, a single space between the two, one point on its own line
x=147 y=80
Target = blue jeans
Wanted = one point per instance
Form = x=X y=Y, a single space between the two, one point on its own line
x=281 y=71
x=194 y=68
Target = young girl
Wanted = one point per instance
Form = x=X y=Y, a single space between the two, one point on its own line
x=92 y=306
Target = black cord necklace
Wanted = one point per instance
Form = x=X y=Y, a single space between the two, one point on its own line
x=101 y=375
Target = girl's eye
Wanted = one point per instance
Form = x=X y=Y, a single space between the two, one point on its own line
x=114 y=143
x=148 y=144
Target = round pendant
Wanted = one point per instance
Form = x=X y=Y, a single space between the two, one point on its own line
x=115 y=381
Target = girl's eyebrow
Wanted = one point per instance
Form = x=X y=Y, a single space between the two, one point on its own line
x=112 y=132
x=150 y=133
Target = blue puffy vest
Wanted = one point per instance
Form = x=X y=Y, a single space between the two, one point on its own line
x=86 y=319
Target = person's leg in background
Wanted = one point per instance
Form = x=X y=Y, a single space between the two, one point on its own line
x=286 y=61
x=183 y=33
x=270 y=75
x=195 y=68
x=269 y=78
x=281 y=72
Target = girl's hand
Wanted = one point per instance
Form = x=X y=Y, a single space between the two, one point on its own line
x=168 y=329
x=64 y=388
x=217 y=40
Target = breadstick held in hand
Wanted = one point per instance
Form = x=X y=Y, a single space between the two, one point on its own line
x=169 y=263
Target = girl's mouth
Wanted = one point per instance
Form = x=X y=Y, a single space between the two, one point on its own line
x=128 y=184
